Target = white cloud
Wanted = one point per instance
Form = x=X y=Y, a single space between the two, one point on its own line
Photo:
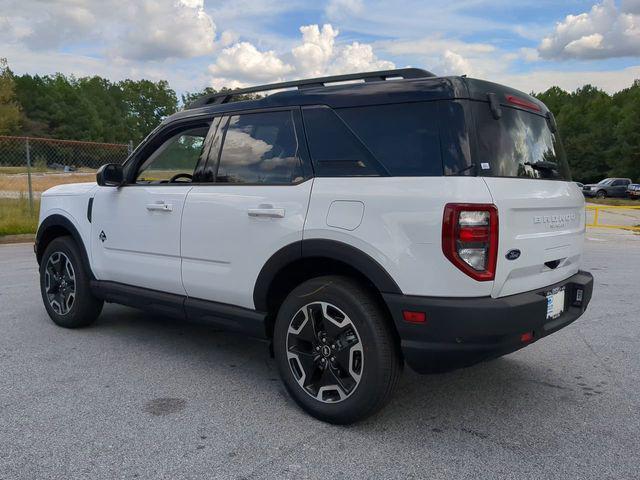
x=244 y=62
x=529 y=54
x=452 y=63
x=140 y=30
x=338 y=9
x=539 y=80
x=317 y=54
x=603 y=32
x=357 y=57
x=630 y=6
x=316 y=50
x=169 y=29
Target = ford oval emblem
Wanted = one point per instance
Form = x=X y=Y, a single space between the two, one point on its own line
x=512 y=254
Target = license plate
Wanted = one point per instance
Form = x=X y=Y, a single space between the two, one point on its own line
x=555 y=303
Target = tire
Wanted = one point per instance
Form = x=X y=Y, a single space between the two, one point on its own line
x=353 y=374
x=601 y=194
x=64 y=285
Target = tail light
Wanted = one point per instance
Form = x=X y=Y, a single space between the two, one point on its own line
x=470 y=238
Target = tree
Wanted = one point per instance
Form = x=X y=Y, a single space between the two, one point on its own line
x=10 y=114
x=146 y=104
x=626 y=159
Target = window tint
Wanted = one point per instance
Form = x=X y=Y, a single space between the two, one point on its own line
x=177 y=155
x=454 y=138
x=403 y=137
x=518 y=144
x=260 y=148
x=334 y=150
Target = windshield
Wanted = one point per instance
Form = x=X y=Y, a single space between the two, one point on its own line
x=518 y=144
x=606 y=181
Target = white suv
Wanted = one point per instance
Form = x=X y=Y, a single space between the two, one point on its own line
x=357 y=222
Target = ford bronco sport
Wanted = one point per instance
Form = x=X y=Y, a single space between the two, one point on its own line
x=357 y=222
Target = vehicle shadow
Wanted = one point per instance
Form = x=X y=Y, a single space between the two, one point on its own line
x=504 y=393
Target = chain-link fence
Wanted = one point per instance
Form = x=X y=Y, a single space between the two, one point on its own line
x=29 y=166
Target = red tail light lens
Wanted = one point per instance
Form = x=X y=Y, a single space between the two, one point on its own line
x=470 y=238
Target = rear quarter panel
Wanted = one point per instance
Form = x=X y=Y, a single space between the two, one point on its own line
x=400 y=227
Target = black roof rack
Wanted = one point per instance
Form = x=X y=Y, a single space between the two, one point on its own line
x=224 y=97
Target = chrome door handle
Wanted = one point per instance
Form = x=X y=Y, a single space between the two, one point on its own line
x=160 y=207
x=266 y=212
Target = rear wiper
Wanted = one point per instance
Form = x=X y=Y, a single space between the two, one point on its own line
x=543 y=166
x=473 y=165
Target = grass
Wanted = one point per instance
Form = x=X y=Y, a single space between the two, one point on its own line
x=16 y=217
x=615 y=202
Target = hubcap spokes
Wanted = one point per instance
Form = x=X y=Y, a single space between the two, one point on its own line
x=60 y=283
x=324 y=352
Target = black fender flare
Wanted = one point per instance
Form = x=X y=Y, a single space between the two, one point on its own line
x=57 y=221
x=320 y=248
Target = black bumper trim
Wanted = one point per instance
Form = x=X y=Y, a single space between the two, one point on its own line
x=460 y=332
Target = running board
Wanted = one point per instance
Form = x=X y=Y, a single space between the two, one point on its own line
x=220 y=315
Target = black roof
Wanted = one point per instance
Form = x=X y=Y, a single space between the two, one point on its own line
x=377 y=88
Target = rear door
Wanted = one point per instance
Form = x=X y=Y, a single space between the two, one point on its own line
x=254 y=202
x=541 y=212
x=619 y=187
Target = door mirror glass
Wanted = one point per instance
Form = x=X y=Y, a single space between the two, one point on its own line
x=110 y=175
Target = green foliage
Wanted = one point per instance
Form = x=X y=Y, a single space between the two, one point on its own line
x=601 y=132
x=92 y=108
x=9 y=108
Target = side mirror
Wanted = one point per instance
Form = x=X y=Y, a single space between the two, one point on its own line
x=110 y=175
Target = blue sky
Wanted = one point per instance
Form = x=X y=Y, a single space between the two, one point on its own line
x=194 y=43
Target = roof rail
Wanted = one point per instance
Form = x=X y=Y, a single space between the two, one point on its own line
x=224 y=97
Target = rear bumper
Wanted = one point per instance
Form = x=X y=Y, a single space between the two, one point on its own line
x=460 y=332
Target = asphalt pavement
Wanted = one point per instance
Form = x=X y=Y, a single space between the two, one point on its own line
x=143 y=397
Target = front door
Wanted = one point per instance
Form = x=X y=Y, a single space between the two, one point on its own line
x=136 y=227
x=255 y=204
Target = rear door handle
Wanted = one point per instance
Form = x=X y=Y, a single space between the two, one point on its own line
x=160 y=207
x=266 y=212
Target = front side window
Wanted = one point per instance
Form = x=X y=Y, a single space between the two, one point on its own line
x=175 y=159
x=260 y=148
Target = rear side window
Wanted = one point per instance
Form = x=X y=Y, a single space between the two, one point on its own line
x=260 y=148
x=333 y=147
x=403 y=137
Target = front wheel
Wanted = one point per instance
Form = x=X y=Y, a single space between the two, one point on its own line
x=64 y=285
x=335 y=350
x=601 y=194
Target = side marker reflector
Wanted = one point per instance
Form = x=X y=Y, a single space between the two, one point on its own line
x=414 y=317
x=526 y=337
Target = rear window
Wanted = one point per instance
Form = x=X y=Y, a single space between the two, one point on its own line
x=518 y=144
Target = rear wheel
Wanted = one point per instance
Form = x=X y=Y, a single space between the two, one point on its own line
x=64 y=285
x=335 y=351
x=601 y=194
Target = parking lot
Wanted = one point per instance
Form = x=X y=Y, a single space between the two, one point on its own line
x=138 y=396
